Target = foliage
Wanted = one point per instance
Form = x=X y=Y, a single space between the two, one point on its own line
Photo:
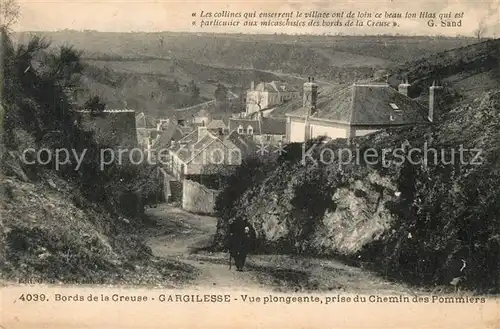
x=193 y=90
x=9 y=13
x=94 y=105
x=220 y=93
x=36 y=101
x=446 y=214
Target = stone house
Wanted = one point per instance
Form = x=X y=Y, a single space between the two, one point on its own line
x=144 y=129
x=261 y=130
x=268 y=94
x=164 y=139
x=152 y=134
x=245 y=143
x=357 y=110
x=217 y=127
x=194 y=153
x=202 y=118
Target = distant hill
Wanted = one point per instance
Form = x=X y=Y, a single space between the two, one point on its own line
x=469 y=71
x=150 y=86
x=137 y=69
x=303 y=55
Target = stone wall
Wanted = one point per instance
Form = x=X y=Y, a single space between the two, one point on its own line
x=197 y=198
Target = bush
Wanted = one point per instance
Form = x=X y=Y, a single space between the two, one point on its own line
x=443 y=225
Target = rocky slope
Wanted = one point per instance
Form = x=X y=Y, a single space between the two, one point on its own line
x=65 y=222
x=50 y=233
x=425 y=221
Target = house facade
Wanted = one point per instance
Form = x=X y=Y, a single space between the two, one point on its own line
x=145 y=130
x=261 y=130
x=268 y=94
x=156 y=134
x=357 y=110
x=202 y=118
x=197 y=155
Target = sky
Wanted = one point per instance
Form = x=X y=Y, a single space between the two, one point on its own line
x=154 y=16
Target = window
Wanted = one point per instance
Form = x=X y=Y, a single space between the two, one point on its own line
x=250 y=130
x=394 y=106
x=240 y=130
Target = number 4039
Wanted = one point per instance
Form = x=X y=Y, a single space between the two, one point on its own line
x=33 y=297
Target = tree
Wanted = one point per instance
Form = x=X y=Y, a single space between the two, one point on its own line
x=66 y=66
x=480 y=31
x=9 y=13
x=193 y=90
x=221 y=93
x=94 y=105
x=256 y=99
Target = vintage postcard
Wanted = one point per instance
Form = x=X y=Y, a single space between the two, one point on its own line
x=250 y=164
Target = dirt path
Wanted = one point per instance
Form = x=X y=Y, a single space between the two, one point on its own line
x=179 y=235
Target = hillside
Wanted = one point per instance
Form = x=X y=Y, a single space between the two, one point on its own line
x=158 y=86
x=468 y=71
x=137 y=69
x=67 y=221
x=50 y=233
x=267 y=52
x=412 y=221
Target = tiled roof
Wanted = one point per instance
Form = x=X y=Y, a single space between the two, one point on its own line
x=244 y=143
x=368 y=104
x=268 y=126
x=272 y=126
x=171 y=133
x=189 y=147
x=235 y=123
x=216 y=124
x=189 y=139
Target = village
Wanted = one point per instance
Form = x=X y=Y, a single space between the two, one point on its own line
x=300 y=157
x=196 y=146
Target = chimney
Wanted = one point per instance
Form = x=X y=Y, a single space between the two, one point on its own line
x=434 y=94
x=252 y=85
x=403 y=87
x=310 y=95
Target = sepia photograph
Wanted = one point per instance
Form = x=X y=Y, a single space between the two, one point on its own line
x=249 y=159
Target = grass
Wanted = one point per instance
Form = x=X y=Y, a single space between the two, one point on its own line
x=46 y=237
